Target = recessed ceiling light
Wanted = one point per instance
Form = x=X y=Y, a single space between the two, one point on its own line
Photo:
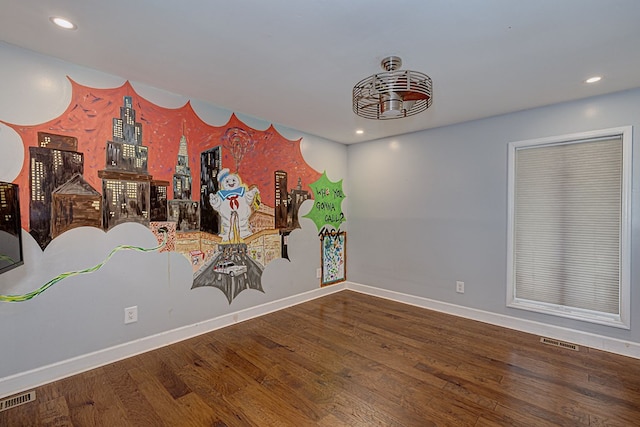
x=359 y=131
x=63 y=23
x=593 y=79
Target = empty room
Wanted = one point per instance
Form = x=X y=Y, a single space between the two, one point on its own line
x=319 y=213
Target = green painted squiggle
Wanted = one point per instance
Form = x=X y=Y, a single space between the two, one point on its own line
x=50 y=283
x=7 y=258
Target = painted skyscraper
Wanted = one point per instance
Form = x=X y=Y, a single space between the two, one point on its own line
x=182 y=176
x=182 y=210
x=52 y=163
x=125 y=181
x=210 y=165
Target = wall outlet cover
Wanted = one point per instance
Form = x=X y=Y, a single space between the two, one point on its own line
x=131 y=314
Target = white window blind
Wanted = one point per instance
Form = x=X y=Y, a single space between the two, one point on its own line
x=568 y=227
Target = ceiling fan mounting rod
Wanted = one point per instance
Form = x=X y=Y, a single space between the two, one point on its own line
x=391 y=63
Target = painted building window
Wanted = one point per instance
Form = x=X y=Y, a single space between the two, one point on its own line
x=37 y=172
x=57 y=160
x=569 y=226
x=128 y=151
x=132 y=190
x=116 y=188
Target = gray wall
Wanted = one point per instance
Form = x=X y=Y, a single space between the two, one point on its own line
x=83 y=314
x=430 y=208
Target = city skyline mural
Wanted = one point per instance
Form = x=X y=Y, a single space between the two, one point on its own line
x=114 y=157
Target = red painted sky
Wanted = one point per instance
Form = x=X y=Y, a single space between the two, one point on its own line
x=89 y=118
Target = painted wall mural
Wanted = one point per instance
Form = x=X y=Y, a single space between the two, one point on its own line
x=61 y=277
x=327 y=207
x=218 y=195
x=327 y=215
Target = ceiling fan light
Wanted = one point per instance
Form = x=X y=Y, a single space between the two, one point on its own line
x=391 y=106
x=392 y=94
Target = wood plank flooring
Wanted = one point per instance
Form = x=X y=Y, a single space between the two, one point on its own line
x=348 y=359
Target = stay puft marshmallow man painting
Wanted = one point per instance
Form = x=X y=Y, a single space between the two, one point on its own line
x=234 y=202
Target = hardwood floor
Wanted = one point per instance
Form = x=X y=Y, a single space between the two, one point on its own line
x=348 y=359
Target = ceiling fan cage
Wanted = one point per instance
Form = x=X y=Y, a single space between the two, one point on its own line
x=392 y=94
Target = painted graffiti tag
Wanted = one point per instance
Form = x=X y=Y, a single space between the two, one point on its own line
x=327 y=207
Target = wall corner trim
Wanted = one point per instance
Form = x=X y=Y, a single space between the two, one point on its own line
x=599 y=342
x=56 y=371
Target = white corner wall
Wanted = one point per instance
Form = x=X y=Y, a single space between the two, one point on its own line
x=428 y=209
x=78 y=323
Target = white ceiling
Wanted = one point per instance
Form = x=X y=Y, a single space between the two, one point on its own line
x=295 y=62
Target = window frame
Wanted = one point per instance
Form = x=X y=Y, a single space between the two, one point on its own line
x=622 y=319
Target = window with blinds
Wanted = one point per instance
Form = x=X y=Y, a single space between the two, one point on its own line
x=569 y=226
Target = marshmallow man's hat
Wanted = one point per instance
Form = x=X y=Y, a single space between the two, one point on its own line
x=223 y=174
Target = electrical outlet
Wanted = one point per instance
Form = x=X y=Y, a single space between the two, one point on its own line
x=318 y=273
x=460 y=287
x=131 y=314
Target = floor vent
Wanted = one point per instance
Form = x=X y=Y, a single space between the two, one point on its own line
x=557 y=343
x=12 y=402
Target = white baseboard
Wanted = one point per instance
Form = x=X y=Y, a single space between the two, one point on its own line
x=600 y=342
x=27 y=380
x=36 y=377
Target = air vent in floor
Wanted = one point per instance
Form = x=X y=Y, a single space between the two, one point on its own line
x=12 y=402
x=557 y=343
